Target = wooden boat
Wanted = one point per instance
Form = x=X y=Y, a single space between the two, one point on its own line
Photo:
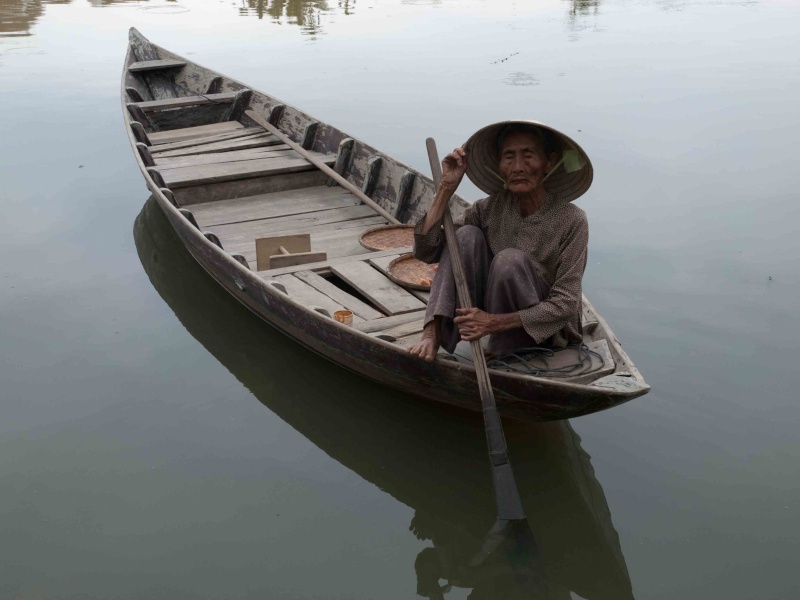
x=229 y=165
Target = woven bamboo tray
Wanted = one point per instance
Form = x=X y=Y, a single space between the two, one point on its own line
x=408 y=271
x=387 y=237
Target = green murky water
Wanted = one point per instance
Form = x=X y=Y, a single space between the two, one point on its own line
x=158 y=441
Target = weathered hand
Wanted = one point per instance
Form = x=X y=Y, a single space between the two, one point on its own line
x=454 y=165
x=473 y=323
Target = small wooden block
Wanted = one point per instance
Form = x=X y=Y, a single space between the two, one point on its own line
x=270 y=256
x=277 y=261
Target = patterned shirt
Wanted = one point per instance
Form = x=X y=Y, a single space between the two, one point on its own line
x=556 y=238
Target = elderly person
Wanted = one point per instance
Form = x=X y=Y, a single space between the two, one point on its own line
x=524 y=247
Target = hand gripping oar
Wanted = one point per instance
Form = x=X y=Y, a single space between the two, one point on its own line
x=509 y=505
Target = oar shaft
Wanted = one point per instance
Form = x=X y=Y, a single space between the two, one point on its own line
x=509 y=504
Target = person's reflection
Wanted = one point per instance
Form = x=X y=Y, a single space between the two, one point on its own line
x=427 y=457
x=578 y=548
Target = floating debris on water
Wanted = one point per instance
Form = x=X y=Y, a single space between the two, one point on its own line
x=500 y=60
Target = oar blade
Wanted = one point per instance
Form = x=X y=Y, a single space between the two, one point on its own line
x=509 y=504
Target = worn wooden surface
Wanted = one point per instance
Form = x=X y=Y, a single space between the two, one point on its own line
x=332 y=238
x=155 y=65
x=329 y=220
x=309 y=135
x=155 y=174
x=221 y=157
x=134 y=95
x=144 y=152
x=321 y=165
x=301 y=292
x=214 y=85
x=283 y=204
x=189 y=133
x=239 y=105
x=139 y=116
x=276 y=114
x=203 y=139
x=139 y=133
x=159 y=84
x=349 y=301
x=343 y=154
x=269 y=251
x=185 y=101
x=190 y=116
x=385 y=323
x=373 y=172
x=240 y=188
x=190 y=175
x=258 y=140
x=382 y=291
x=325 y=267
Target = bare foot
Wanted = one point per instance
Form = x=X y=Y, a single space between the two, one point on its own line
x=428 y=346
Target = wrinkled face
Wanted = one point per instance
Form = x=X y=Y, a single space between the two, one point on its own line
x=523 y=162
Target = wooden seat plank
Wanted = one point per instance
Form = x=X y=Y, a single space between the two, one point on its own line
x=239 y=143
x=294 y=223
x=349 y=301
x=386 y=323
x=276 y=204
x=307 y=296
x=155 y=65
x=323 y=237
x=171 y=162
x=409 y=340
x=405 y=329
x=186 y=101
x=381 y=291
x=235 y=134
x=187 y=133
x=214 y=173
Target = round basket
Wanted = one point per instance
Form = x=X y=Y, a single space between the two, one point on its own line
x=387 y=237
x=410 y=272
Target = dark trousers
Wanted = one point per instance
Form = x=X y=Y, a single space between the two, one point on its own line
x=500 y=284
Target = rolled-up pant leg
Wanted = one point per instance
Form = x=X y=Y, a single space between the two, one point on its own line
x=443 y=301
x=514 y=284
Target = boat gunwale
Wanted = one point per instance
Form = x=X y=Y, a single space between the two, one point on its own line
x=612 y=393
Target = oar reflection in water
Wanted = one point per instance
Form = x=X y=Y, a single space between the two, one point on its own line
x=426 y=456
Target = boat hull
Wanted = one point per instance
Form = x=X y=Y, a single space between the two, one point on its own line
x=518 y=396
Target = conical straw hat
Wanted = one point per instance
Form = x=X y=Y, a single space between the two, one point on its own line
x=569 y=180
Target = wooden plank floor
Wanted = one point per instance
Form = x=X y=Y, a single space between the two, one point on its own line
x=382 y=291
x=189 y=133
x=189 y=175
x=332 y=217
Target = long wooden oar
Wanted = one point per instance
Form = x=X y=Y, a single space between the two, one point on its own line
x=509 y=504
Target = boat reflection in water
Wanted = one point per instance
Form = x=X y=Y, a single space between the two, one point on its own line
x=429 y=457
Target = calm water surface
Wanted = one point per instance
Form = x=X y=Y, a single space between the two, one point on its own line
x=157 y=441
